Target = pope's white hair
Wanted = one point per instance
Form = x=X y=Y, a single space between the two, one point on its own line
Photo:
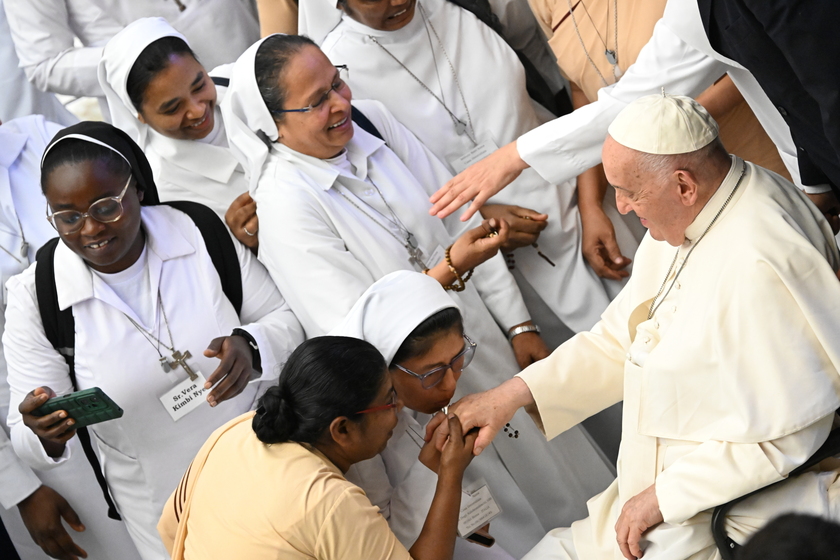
x=661 y=167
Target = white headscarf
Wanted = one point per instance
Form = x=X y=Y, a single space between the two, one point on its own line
x=316 y=18
x=246 y=116
x=118 y=58
x=393 y=307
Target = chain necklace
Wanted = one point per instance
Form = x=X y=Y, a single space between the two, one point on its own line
x=653 y=305
x=461 y=127
x=415 y=255
x=611 y=54
x=178 y=359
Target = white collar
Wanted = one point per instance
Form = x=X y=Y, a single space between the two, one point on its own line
x=359 y=149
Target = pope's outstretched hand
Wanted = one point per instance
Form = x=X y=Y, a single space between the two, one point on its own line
x=488 y=411
x=478 y=182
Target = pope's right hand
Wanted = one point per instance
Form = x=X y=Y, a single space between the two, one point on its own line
x=476 y=245
x=42 y=513
x=55 y=429
x=478 y=182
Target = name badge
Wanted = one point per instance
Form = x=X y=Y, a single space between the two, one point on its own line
x=476 y=154
x=185 y=397
x=478 y=508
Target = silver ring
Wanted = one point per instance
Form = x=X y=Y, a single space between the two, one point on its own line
x=248 y=233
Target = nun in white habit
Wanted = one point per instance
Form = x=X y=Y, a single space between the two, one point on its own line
x=178 y=123
x=339 y=224
x=425 y=70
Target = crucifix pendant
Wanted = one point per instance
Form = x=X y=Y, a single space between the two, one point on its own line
x=460 y=127
x=179 y=359
x=612 y=58
x=415 y=255
x=164 y=364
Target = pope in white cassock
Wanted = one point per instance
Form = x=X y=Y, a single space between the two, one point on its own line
x=723 y=347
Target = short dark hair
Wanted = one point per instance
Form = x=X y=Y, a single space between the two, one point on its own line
x=325 y=378
x=421 y=338
x=153 y=59
x=74 y=151
x=273 y=56
x=794 y=537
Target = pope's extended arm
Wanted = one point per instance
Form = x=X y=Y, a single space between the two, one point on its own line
x=716 y=472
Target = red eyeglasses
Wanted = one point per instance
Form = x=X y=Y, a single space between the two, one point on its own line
x=391 y=404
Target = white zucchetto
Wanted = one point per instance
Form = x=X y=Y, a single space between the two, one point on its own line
x=664 y=124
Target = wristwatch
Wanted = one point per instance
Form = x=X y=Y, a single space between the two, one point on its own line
x=256 y=362
x=522 y=329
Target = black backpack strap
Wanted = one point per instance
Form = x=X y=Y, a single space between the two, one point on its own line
x=364 y=123
x=219 y=245
x=60 y=329
x=220 y=81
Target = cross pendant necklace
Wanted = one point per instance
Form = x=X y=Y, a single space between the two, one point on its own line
x=178 y=358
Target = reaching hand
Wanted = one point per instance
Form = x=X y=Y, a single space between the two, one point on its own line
x=476 y=246
x=640 y=513
x=55 y=429
x=234 y=371
x=42 y=512
x=242 y=220
x=478 y=182
x=600 y=247
x=525 y=224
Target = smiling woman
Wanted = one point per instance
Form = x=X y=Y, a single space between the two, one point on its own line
x=143 y=291
x=158 y=92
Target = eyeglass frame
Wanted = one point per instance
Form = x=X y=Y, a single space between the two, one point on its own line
x=84 y=215
x=393 y=404
x=333 y=87
x=470 y=345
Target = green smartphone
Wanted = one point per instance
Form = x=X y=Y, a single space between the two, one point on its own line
x=90 y=406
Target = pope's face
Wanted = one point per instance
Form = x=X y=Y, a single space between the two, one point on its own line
x=384 y=15
x=655 y=201
x=444 y=347
x=309 y=80
x=179 y=100
x=106 y=247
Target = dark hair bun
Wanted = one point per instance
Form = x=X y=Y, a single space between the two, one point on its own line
x=275 y=420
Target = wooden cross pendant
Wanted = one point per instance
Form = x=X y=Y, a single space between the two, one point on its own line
x=179 y=359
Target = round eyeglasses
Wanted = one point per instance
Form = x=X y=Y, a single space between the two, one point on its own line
x=457 y=365
x=105 y=210
x=337 y=85
x=392 y=403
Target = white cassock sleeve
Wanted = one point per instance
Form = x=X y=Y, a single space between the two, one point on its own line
x=566 y=147
x=266 y=316
x=717 y=472
x=32 y=362
x=584 y=375
x=496 y=284
x=17 y=481
x=43 y=32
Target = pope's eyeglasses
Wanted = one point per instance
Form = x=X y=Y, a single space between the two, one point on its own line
x=338 y=84
x=105 y=210
x=457 y=365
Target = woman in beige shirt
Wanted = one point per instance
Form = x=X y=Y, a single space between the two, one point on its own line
x=595 y=41
x=271 y=484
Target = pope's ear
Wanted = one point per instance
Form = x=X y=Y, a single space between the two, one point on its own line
x=688 y=185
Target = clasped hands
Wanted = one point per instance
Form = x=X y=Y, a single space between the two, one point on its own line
x=491 y=410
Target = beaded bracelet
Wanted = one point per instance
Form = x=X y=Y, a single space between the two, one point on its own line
x=460 y=283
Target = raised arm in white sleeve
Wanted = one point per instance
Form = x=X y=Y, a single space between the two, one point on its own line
x=44 y=32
